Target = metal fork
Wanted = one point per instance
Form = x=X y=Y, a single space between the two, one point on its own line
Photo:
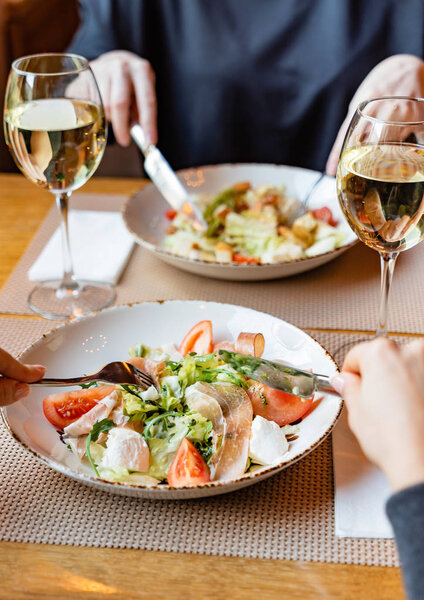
x=305 y=200
x=303 y=208
x=114 y=372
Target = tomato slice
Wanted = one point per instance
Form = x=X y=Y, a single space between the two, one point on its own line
x=277 y=406
x=198 y=339
x=63 y=409
x=324 y=214
x=171 y=214
x=188 y=466
x=249 y=260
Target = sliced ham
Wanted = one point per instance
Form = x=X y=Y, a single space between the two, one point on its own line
x=199 y=399
x=232 y=453
x=149 y=366
x=77 y=445
x=101 y=411
x=250 y=343
x=225 y=345
x=118 y=416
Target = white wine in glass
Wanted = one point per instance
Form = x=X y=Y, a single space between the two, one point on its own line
x=56 y=131
x=380 y=181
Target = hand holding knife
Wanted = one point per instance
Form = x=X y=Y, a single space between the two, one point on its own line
x=164 y=178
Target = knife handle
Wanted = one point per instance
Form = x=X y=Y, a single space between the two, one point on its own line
x=138 y=135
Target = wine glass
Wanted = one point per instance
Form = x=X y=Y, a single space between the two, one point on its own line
x=380 y=181
x=55 y=128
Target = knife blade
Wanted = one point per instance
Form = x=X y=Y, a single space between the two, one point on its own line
x=165 y=179
x=278 y=376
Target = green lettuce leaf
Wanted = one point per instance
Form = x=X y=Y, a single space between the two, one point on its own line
x=166 y=434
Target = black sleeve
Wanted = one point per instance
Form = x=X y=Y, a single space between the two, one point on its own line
x=406 y=513
x=96 y=33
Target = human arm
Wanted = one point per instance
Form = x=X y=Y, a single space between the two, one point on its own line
x=108 y=30
x=15 y=378
x=398 y=75
x=383 y=387
x=406 y=513
x=96 y=32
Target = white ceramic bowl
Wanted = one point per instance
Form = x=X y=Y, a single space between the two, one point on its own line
x=85 y=345
x=144 y=216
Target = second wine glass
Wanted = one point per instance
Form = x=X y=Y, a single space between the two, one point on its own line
x=380 y=181
x=56 y=132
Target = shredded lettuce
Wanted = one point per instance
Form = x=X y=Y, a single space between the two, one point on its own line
x=251 y=225
x=208 y=368
x=135 y=406
x=123 y=475
x=97 y=451
x=166 y=434
x=139 y=350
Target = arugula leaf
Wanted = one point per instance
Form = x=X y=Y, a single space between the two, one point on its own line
x=99 y=427
x=226 y=197
x=88 y=385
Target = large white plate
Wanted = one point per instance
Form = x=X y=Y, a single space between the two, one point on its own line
x=84 y=346
x=144 y=216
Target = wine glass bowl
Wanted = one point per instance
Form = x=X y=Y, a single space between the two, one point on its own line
x=380 y=181
x=55 y=129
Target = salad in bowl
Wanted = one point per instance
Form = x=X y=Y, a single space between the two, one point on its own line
x=201 y=421
x=252 y=225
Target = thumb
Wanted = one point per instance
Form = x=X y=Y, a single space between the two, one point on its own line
x=12 y=368
x=348 y=385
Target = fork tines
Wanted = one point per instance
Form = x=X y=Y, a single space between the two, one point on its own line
x=143 y=379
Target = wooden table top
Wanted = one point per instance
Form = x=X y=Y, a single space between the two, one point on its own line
x=64 y=572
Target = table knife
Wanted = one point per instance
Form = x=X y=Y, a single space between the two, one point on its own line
x=165 y=179
x=279 y=376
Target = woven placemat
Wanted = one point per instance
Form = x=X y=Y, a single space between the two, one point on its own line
x=340 y=295
x=289 y=516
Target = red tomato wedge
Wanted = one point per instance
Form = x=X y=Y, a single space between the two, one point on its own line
x=198 y=339
x=277 y=406
x=249 y=260
x=188 y=466
x=324 y=214
x=171 y=214
x=63 y=409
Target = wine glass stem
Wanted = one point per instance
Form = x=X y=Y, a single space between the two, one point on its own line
x=387 y=262
x=68 y=283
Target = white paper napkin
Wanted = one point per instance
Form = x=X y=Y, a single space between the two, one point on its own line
x=100 y=248
x=361 y=489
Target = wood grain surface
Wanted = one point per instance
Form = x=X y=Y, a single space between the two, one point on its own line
x=65 y=572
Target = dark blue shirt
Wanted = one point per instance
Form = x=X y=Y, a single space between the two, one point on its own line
x=406 y=513
x=253 y=80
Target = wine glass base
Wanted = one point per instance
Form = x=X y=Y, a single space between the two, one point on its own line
x=51 y=301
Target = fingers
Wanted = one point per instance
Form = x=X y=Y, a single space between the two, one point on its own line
x=120 y=100
x=413 y=354
x=143 y=79
x=363 y=354
x=349 y=385
x=13 y=369
x=11 y=391
x=123 y=76
x=352 y=362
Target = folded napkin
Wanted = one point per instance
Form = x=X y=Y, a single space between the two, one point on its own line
x=361 y=489
x=100 y=248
